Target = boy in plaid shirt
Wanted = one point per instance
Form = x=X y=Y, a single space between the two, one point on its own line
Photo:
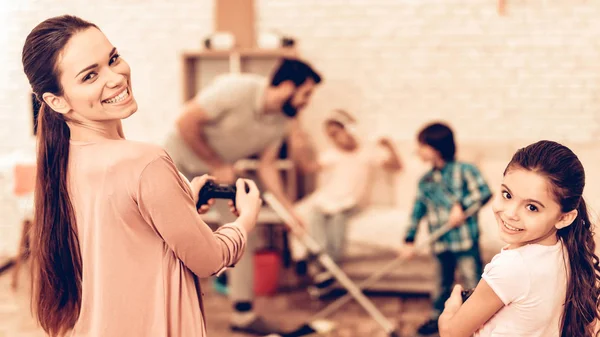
x=444 y=193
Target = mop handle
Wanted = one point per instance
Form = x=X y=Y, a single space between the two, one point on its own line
x=438 y=233
x=272 y=201
x=291 y=223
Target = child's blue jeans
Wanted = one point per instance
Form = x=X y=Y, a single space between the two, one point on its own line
x=329 y=231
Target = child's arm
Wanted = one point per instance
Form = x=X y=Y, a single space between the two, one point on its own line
x=418 y=212
x=505 y=281
x=478 y=189
x=392 y=162
x=460 y=319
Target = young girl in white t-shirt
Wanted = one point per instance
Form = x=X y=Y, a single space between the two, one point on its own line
x=544 y=283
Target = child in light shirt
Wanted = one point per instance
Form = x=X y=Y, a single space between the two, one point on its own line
x=346 y=169
x=545 y=282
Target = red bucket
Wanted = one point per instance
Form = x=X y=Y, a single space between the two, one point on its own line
x=267 y=264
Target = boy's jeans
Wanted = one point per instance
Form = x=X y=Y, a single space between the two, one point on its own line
x=469 y=266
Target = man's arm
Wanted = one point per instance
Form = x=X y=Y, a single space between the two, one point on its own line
x=222 y=95
x=270 y=177
x=191 y=127
x=302 y=149
x=269 y=174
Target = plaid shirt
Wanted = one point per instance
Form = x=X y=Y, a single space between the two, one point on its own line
x=439 y=190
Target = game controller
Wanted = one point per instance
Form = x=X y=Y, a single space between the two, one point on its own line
x=212 y=190
x=466 y=294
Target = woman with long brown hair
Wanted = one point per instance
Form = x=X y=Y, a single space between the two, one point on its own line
x=117 y=242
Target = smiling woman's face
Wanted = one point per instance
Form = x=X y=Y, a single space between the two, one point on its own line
x=96 y=82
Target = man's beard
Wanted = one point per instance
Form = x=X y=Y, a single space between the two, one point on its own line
x=288 y=108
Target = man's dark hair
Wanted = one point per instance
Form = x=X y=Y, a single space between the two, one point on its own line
x=295 y=71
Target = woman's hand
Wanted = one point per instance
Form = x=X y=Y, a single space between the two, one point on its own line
x=196 y=185
x=206 y=207
x=248 y=203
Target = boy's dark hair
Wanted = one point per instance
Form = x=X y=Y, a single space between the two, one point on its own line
x=295 y=71
x=566 y=176
x=440 y=137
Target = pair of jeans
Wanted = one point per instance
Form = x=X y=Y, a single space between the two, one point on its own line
x=329 y=231
x=469 y=267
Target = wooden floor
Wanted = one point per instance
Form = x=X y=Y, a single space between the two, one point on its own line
x=289 y=308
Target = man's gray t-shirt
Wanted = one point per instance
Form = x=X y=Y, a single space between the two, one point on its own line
x=237 y=126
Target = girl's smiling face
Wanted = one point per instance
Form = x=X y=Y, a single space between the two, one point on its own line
x=526 y=210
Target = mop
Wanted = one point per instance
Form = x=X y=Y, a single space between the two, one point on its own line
x=317 y=324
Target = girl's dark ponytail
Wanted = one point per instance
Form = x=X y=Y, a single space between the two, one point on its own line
x=581 y=305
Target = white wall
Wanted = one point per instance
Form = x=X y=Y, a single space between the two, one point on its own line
x=396 y=64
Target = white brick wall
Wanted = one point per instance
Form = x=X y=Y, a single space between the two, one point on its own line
x=396 y=64
x=531 y=74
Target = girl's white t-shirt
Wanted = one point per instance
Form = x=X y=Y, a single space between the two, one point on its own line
x=531 y=281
